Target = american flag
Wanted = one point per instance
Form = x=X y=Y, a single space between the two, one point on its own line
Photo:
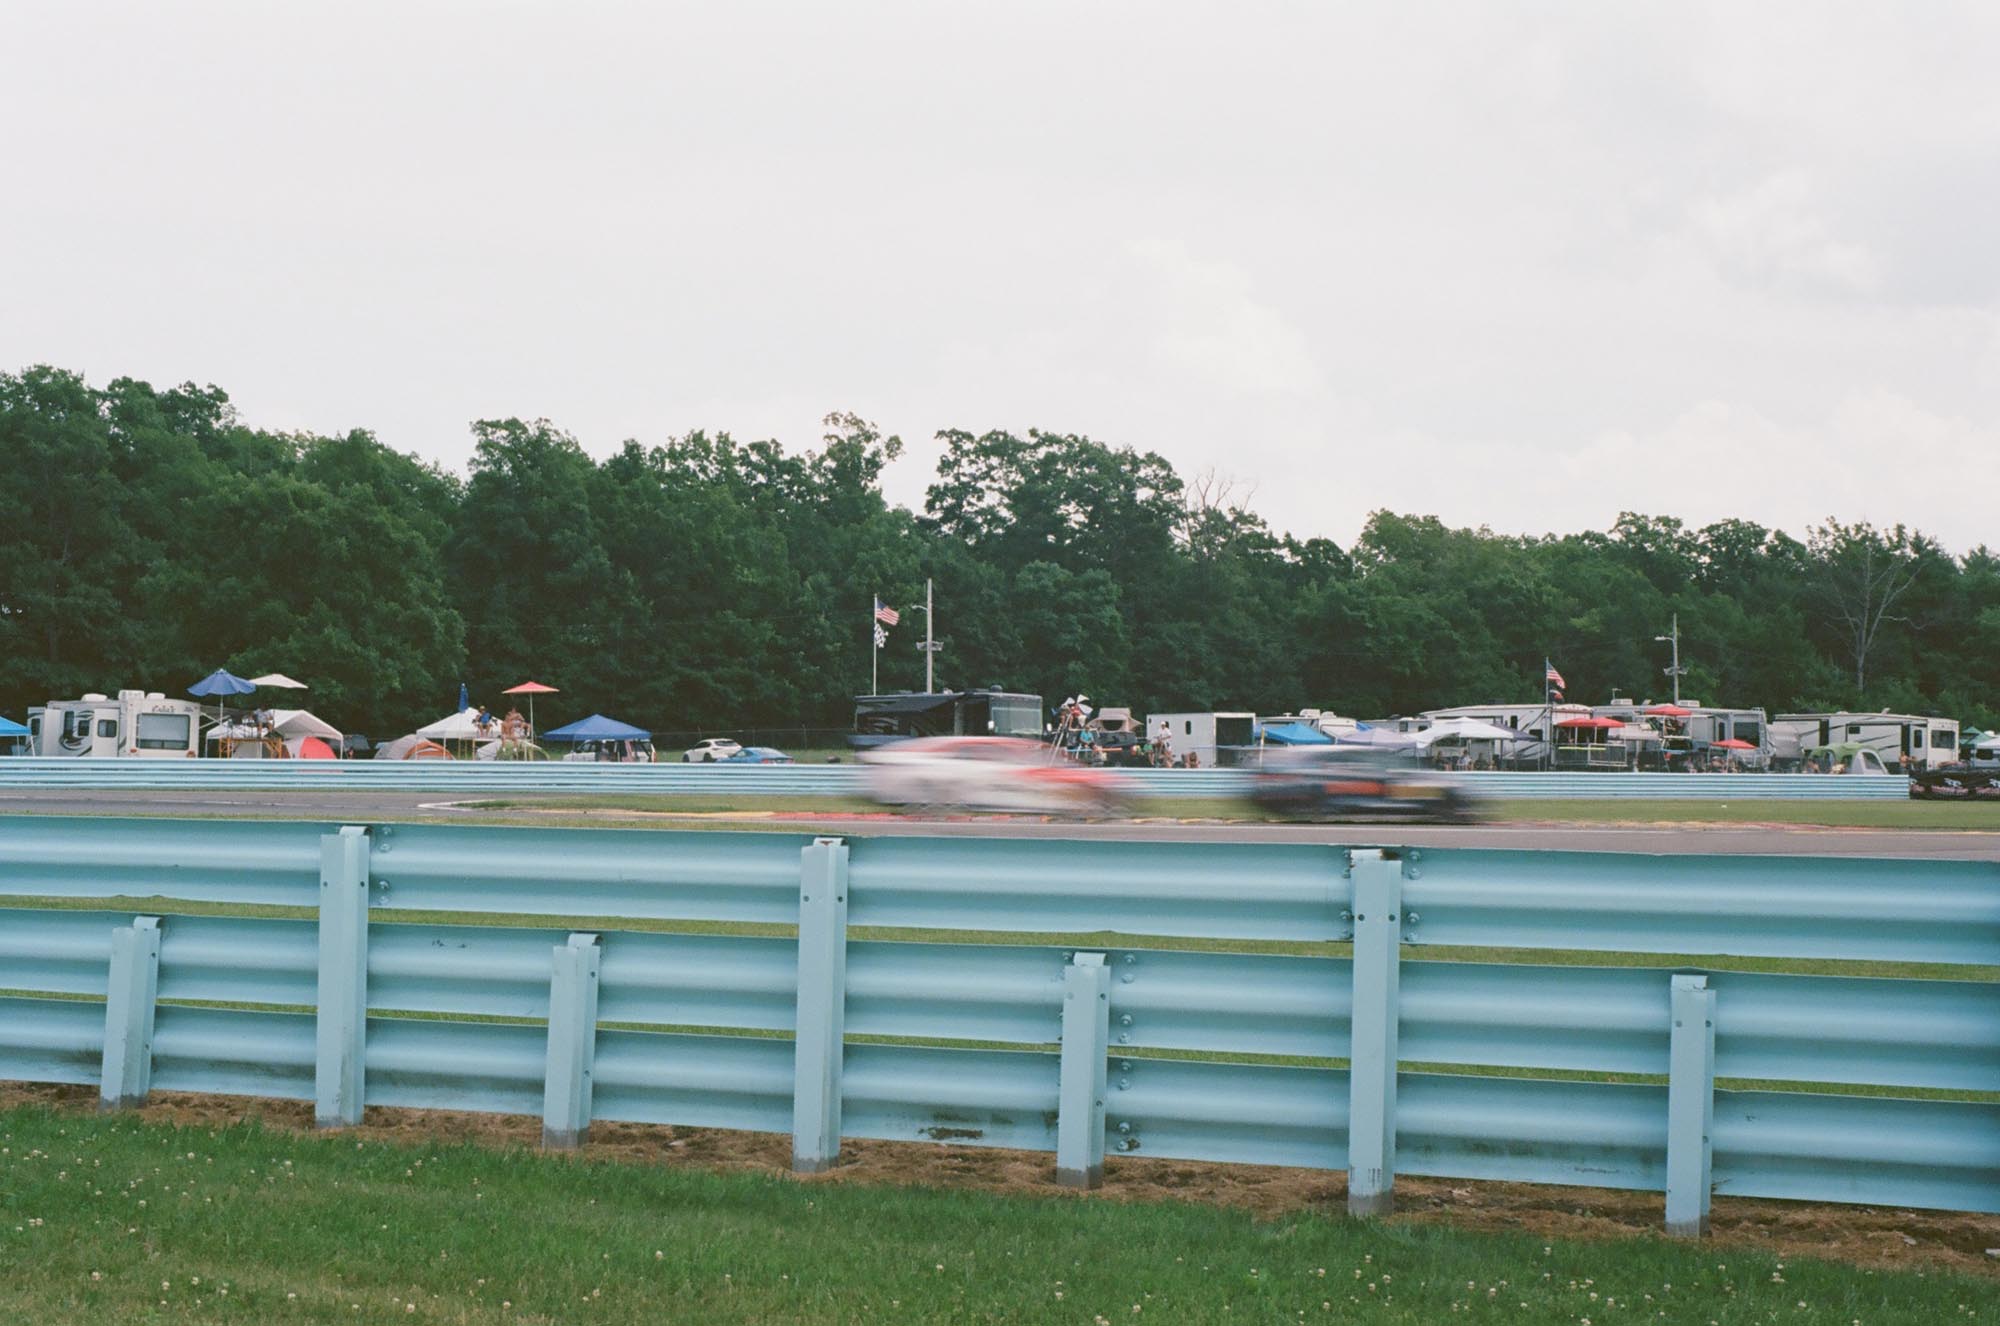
x=885 y=614
x=1553 y=677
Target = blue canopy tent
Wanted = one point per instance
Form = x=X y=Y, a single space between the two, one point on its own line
x=1292 y=734
x=598 y=728
x=10 y=730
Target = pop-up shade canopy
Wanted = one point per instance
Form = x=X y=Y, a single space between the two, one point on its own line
x=461 y=726
x=1293 y=734
x=285 y=722
x=9 y=728
x=1466 y=729
x=1380 y=738
x=279 y=681
x=598 y=728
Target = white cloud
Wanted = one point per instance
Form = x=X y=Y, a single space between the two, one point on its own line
x=1774 y=233
x=1211 y=326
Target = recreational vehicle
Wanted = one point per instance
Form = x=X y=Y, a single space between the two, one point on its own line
x=1907 y=743
x=882 y=719
x=145 y=724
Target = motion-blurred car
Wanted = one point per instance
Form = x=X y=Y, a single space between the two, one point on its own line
x=709 y=750
x=758 y=755
x=989 y=773
x=1328 y=782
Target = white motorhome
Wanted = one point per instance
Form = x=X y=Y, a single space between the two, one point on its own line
x=1213 y=739
x=145 y=724
x=1905 y=742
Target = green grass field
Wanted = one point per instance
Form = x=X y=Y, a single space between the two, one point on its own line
x=107 y=1219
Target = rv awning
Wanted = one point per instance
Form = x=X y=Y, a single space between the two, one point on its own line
x=1293 y=734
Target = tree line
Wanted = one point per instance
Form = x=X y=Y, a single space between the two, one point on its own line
x=709 y=584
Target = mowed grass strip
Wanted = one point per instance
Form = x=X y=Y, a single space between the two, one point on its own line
x=104 y=1218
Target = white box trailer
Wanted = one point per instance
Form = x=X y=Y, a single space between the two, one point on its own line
x=1214 y=739
x=141 y=724
x=1905 y=742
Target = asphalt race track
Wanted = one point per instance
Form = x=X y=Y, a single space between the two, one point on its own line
x=376 y=807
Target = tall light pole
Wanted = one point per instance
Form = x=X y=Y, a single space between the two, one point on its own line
x=1676 y=671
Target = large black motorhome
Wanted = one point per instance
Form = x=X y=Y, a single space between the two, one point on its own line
x=881 y=719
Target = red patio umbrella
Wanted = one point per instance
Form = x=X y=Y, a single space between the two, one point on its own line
x=1733 y=744
x=1668 y=711
x=1590 y=722
x=531 y=689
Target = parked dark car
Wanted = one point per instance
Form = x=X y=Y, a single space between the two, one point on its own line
x=1331 y=782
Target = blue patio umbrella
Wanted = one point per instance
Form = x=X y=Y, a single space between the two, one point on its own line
x=222 y=682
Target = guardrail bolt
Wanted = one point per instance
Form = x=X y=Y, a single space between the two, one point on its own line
x=1124 y=1065
x=1125 y=1020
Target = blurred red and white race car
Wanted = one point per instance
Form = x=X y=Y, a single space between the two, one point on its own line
x=989 y=773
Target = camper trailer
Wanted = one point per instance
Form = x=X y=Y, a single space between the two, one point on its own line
x=145 y=724
x=1215 y=740
x=1906 y=743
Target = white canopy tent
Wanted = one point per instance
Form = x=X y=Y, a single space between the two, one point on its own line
x=278 y=681
x=287 y=723
x=461 y=726
x=1465 y=729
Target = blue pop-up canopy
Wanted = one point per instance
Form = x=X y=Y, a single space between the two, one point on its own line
x=1293 y=734
x=598 y=728
x=222 y=682
x=9 y=728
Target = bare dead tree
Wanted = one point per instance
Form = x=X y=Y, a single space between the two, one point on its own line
x=1862 y=573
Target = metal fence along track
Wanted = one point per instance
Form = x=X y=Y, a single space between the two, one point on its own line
x=484 y=778
x=357 y=992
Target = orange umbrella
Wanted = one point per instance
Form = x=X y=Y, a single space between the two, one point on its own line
x=531 y=689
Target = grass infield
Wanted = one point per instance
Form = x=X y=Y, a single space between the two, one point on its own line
x=107 y=1218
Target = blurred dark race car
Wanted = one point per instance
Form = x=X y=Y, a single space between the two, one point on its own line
x=1332 y=782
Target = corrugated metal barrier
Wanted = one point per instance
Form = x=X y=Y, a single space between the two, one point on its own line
x=487 y=777
x=712 y=979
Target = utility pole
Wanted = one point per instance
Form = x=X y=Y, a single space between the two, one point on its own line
x=1676 y=671
x=930 y=646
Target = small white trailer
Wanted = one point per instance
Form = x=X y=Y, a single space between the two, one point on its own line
x=1214 y=739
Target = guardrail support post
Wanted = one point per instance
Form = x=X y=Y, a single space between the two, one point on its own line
x=340 y=1054
x=1086 y=1040
x=572 y=1043
x=822 y=1009
x=1371 y=1104
x=128 y=1014
x=1690 y=1106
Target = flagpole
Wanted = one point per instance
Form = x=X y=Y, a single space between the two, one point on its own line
x=874 y=648
x=1548 y=717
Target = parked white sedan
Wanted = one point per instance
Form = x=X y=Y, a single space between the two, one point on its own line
x=710 y=751
x=989 y=773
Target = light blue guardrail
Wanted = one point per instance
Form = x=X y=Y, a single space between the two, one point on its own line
x=486 y=777
x=798 y=1016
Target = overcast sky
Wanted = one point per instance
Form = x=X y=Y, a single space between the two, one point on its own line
x=1523 y=265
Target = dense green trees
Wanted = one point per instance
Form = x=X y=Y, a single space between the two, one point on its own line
x=704 y=583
